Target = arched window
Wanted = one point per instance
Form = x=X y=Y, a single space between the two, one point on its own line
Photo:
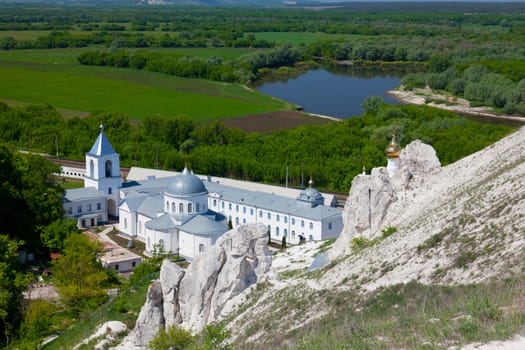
x=110 y=190
x=197 y=207
x=189 y=208
x=310 y=237
x=278 y=217
x=167 y=205
x=181 y=208
x=173 y=207
x=236 y=221
x=201 y=248
x=277 y=231
x=91 y=168
x=108 y=168
x=293 y=234
x=161 y=245
x=285 y=232
x=293 y=221
x=311 y=225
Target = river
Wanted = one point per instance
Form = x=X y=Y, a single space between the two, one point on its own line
x=335 y=91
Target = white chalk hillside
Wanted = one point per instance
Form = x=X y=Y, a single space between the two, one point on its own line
x=459 y=224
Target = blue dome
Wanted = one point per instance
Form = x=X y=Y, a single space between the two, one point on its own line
x=185 y=184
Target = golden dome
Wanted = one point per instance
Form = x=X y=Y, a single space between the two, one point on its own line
x=393 y=150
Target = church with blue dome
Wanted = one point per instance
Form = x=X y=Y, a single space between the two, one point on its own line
x=184 y=214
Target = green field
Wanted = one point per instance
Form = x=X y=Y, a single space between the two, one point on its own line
x=55 y=77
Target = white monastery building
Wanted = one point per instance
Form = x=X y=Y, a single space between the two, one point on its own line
x=184 y=214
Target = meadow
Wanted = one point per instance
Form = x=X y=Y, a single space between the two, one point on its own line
x=55 y=77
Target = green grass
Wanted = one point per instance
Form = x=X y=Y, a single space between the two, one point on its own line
x=54 y=77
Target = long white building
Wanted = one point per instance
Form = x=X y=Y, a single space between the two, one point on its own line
x=185 y=214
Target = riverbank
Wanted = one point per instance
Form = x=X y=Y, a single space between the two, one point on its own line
x=454 y=104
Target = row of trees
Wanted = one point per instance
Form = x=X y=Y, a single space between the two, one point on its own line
x=332 y=153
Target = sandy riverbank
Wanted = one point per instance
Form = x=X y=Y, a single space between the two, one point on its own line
x=457 y=105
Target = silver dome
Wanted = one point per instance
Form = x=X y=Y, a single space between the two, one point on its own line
x=185 y=184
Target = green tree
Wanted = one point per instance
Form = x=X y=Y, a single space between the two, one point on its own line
x=12 y=282
x=371 y=104
x=54 y=234
x=78 y=275
x=216 y=337
x=174 y=338
x=36 y=325
x=283 y=243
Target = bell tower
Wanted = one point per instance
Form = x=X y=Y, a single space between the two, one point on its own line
x=103 y=171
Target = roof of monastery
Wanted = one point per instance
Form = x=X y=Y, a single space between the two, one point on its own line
x=141 y=174
x=84 y=193
x=101 y=145
x=260 y=200
x=185 y=184
x=209 y=223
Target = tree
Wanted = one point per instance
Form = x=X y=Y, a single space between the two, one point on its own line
x=174 y=338
x=78 y=276
x=283 y=243
x=12 y=282
x=54 y=234
x=371 y=104
x=36 y=325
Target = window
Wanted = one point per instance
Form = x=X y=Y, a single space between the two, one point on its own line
x=269 y=216
x=278 y=217
x=133 y=264
x=277 y=231
x=222 y=204
x=260 y=213
x=181 y=208
x=149 y=243
x=237 y=208
x=243 y=221
x=285 y=219
x=251 y=211
x=109 y=190
x=161 y=245
x=329 y=225
x=99 y=206
x=190 y=209
x=311 y=225
x=244 y=210
x=108 y=168
x=285 y=232
x=293 y=221
x=214 y=202
x=173 y=207
x=70 y=210
x=201 y=248
x=79 y=209
x=91 y=169
x=140 y=226
x=302 y=223
x=89 y=207
x=116 y=267
x=125 y=223
x=293 y=234
x=310 y=237
x=230 y=206
x=197 y=207
x=236 y=221
x=168 y=206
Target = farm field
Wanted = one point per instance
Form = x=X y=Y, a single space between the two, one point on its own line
x=54 y=77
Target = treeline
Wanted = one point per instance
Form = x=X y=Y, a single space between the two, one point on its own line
x=332 y=153
x=476 y=83
x=242 y=70
x=116 y=39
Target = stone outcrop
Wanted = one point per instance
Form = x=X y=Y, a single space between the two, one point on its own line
x=372 y=195
x=194 y=297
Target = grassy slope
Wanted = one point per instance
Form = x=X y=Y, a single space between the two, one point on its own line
x=54 y=76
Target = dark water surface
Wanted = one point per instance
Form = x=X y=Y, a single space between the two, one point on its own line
x=336 y=92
